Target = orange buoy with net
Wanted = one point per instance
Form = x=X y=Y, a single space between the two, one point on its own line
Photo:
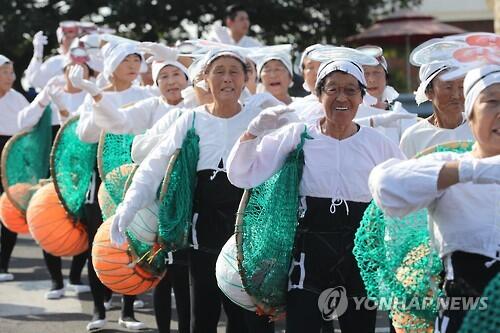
x=52 y=227
x=12 y=218
x=117 y=268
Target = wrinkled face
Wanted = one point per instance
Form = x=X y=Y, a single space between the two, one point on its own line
x=226 y=78
x=485 y=120
x=7 y=76
x=171 y=81
x=340 y=96
x=128 y=69
x=310 y=71
x=447 y=97
x=376 y=80
x=275 y=78
x=240 y=24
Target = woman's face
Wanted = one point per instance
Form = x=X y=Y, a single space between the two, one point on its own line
x=340 y=97
x=485 y=120
x=376 y=80
x=310 y=71
x=128 y=69
x=275 y=78
x=226 y=78
x=171 y=81
x=447 y=96
x=7 y=76
x=252 y=76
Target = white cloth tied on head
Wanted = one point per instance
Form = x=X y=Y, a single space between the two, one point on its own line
x=476 y=81
x=158 y=66
x=283 y=57
x=342 y=65
x=4 y=60
x=426 y=74
x=116 y=53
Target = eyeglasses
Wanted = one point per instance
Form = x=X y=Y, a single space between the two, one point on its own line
x=336 y=91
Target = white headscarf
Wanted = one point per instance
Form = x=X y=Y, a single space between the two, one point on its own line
x=426 y=74
x=114 y=55
x=343 y=65
x=158 y=66
x=282 y=57
x=4 y=60
x=476 y=81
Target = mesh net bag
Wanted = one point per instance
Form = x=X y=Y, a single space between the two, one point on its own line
x=72 y=162
x=398 y=264
x=177 y=194
x=112 y=189
x=485 y=320
x=25 y=157
x=265 y=234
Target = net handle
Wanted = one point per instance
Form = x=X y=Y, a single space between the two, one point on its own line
x=168 y=173
x=100 y=153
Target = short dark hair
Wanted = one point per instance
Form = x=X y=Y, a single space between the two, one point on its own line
x=232 y=10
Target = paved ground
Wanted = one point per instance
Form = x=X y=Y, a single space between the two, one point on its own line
x=23 y=308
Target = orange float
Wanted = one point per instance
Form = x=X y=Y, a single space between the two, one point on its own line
x=116 y=267
x=52 y=227
x=12 y=217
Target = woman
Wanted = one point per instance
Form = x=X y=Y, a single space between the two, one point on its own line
x=218 y=125
x=460 y=192
x=65 y=99
x=447 y=122
x=275 y=73
x=334 y=192
x=11 y=102
x=121 y=68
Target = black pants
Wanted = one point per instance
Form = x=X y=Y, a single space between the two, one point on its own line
x=177 y=277
x=54 y=264
x=207 y=299
x=470 y=278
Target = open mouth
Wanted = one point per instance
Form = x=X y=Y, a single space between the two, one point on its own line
x=228 y=89
x=275 y=84
x=173 y=90
x=341 y=108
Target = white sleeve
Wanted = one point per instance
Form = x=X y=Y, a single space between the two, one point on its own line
x=251 y=162
x=143 y=144
x=39 y=76
x=134 y=119
x=87 y=130
x=32 y=70
x=151 y=171
x=401 y=187
x=29 y=115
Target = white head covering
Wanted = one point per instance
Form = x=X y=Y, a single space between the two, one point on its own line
x=304 y=54
x=476 y=81
x=201 y=64
x=283 y=57
x=343 y=65
x=426 y=74
x=158 y=66
x=4 y=60
x=113 y=56
x=65 y=24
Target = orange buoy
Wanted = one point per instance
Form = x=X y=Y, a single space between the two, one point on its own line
x=12 y=217
x=116 y=267
x=52 y=227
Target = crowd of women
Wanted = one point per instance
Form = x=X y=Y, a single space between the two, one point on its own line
x=359 y=146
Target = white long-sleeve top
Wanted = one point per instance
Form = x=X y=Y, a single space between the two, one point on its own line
x=38 y=73
x=10 y=105
x=423 y=135
x=88 y=130
x=463 y=217
x=30 y=115
x=307 y=108
x=222 y=35
x=336 y=169
x=217 y=136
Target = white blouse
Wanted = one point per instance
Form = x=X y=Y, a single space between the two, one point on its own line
x=463 y=217
x=217 y=136
x=38 y=73
x=336 y=169
x=10 y=106
x=423 y=135
x=88 y=129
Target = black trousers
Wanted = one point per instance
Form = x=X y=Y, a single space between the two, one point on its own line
x=54 y=266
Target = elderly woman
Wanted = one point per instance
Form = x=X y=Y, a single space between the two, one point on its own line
x=461 y=193
x=275 y=73
x=447 y=122
x=334 y=192
x=218 y=125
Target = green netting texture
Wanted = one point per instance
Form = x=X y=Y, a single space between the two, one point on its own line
x=116 y=150
x=176 y=207
x=26 y=158
x=150 y=257
x=113 y=188
x=267 y=229
x=485 y=320
x=72 y=164
x=398 y=264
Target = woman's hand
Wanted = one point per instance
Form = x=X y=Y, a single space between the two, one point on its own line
x=159 y=52
x=77 y=80
x=122 y=219
x=269 y=119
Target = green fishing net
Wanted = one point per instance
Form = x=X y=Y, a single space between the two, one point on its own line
x=112 y=189
x=177 y=195
x=72 y=162
x=265 y=233
x=485 y=320
x=25 y=157
x=397 y=263
x=150 y=257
